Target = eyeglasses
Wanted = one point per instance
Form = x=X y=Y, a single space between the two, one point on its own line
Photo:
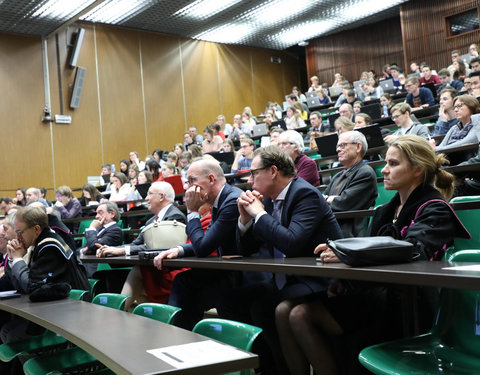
x=20 y=231
x=253 y=171
x=409 y=85
x=150 y=193
x=342 y=145
x=458 y=106
x=191 y=180
x=396 y=116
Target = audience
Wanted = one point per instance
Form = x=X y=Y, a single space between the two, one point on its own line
x=446 y=81
x=243 y=158
x=20 y=199
x=446 y=115
x=428 y=77
x=401 y=116
x=343 y=124
x=418 y=97
x=212 y=142
x=134 y=159
x=293 y=119
x=119 y=188
x=346 y=110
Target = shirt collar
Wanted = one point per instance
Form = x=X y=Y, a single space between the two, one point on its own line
x=110 y=224
x=284 y=192
x=162 y=212
x=215 y=203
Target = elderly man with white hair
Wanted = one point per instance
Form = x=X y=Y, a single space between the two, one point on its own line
x=292 y=143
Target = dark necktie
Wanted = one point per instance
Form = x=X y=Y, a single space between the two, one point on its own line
x=280 y=278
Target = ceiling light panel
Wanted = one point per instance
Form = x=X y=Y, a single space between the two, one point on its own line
x=204 y=9
x=117 y=11
x=226 y=34
x=59 y=9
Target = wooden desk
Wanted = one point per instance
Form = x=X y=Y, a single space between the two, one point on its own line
x=416 y=273
x=117 y=339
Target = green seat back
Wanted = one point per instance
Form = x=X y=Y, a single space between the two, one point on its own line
x=157 y=311
x=84 y=224
x=384 y=196
x=115 y=301
x=470 y=219
x=93 y=285
x=32 y=345
x=78 y=294
x=451 y=347
x=57 y=363
x=378 y=170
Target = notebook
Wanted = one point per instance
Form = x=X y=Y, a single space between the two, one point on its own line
x=260 y=129
x=143 y=189
x=387 y=85
x=373 y=135
x=327 y=145
x=313 y=102
x=227 y=157
x=335 y=90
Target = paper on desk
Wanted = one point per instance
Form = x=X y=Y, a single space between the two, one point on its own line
x=197 y=354
x=471 y=267
x=8 y=293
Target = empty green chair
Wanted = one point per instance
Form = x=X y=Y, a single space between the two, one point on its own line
x=451 y=347
x=157 y=311
x=37 y=344
x=233 y=333
x=93 y=286
x=58 y=362
x=470 y=219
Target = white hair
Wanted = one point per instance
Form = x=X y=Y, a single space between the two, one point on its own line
x=296 y=138
x=165 y=188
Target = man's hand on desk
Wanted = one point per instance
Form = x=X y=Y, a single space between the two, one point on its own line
x=327 y=255
x=169 y=254
x=104 y=250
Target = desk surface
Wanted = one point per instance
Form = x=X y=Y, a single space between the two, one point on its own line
x=116 y=338
x=416 y=273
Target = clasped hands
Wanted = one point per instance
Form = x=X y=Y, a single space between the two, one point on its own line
x=249 y=205
x=16 y=249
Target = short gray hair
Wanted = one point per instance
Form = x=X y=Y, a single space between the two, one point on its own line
x=165 y=188
x=112 y=207
x=295 y=138
x=358 y=137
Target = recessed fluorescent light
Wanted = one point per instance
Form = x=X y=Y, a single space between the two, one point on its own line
x=202 y=9
x=365 y=8
x=226 y=34
x=304 y=31
x=60 y=8
x=275 y=12
x=117 y=11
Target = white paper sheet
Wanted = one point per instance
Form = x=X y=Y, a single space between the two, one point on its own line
x=197 y=354
x=471 y=267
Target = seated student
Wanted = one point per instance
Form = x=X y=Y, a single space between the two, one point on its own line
x=247 y=122
x=185 y=160
x=6 y=203
x=345 y=87
x=132 y=172
x=459 y=69
x=446 y=115
x=244 y=156
x=296 y=91
x=401 y=116
x=269 y=119
x=418 y=97
x=90 y=196
x=395 y=73
x=51 y=261
x=168 y=170
x=447 y=81
x=386 y=103
x=303 y=113
x=467 y=86
x=275 y=135
x=467 y=128
x=372 y=89
x=418 y=213
x=292 y=143
x=105 y=174
x=154 y=168
x=350 y=98
x=120 y=188
x=343 y=124
x=317 y=129
x=324 y=98
x=187 y=142
x=428 y=77
x=225 y=128
x=357 y=107
x=212 y=142
x=293 y=119
x=475 y=84
x=475 y=64
x=315 y=83
x=68 y=206
x=143 y=178
x=356 y=187
x=135 y=159
x=362 y=120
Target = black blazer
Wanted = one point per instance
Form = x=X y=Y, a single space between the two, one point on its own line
x=111 y=236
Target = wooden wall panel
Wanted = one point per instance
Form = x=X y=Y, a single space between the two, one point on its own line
x=163 y=91
x=290 y=72
x=120 y=93
x=78 y=146
x=200 y=75
x=26 y=152
x=353 y=51
x=235 y=79
x=424 y=31
x=267 y=79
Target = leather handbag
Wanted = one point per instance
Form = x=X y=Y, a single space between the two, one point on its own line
x=164 y=234
x=372 y=251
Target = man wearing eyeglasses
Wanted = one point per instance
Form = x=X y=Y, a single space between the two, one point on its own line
x=196 y=290
x=283 y=216
x=160 y=199
x=355 y=188
x=418 y=97
x=244 y=156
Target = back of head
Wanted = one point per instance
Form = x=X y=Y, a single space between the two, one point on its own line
x=273 y=155
x=65 y=191
x=419 y=152
x=32 y=216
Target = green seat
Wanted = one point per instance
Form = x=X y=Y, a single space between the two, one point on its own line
x=93 y=285
x=233 y=333
x=384 y=195
x=37 y=344
x=58 y=362
x=378 y=170
x=157 y=311
x=451 y=347
x=470 y=219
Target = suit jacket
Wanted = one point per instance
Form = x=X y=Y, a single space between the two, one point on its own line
x=358 y=192
x=110 y=236
x=173 y=213
x=307 y=220
x=220 y=234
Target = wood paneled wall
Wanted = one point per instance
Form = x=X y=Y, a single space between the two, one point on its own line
x=354 y=51
x=419 y=34
x=142 y=91
x=425 y=35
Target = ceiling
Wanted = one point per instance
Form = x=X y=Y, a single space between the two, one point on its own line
x=275 y=24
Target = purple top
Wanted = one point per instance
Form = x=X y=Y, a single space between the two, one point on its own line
x=71 y=209
x=307 y=169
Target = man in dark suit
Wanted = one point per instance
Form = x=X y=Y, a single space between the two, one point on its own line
x=196 y=291
x=355 y=188
x=104 y=229
x=287 y=217
x=160 y=199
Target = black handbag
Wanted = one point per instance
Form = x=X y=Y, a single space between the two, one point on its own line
x=372 y=251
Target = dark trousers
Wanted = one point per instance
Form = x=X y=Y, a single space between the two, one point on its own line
x=196 y=291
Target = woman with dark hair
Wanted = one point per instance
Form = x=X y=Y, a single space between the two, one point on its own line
x=20 y=199
x=124 y=164
x=90 y=195
x=386 y=103
x=119 y=187
x=418 y=213
x=154 y=168
x=466 y=129
x=460 y=71
x=157 y=155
